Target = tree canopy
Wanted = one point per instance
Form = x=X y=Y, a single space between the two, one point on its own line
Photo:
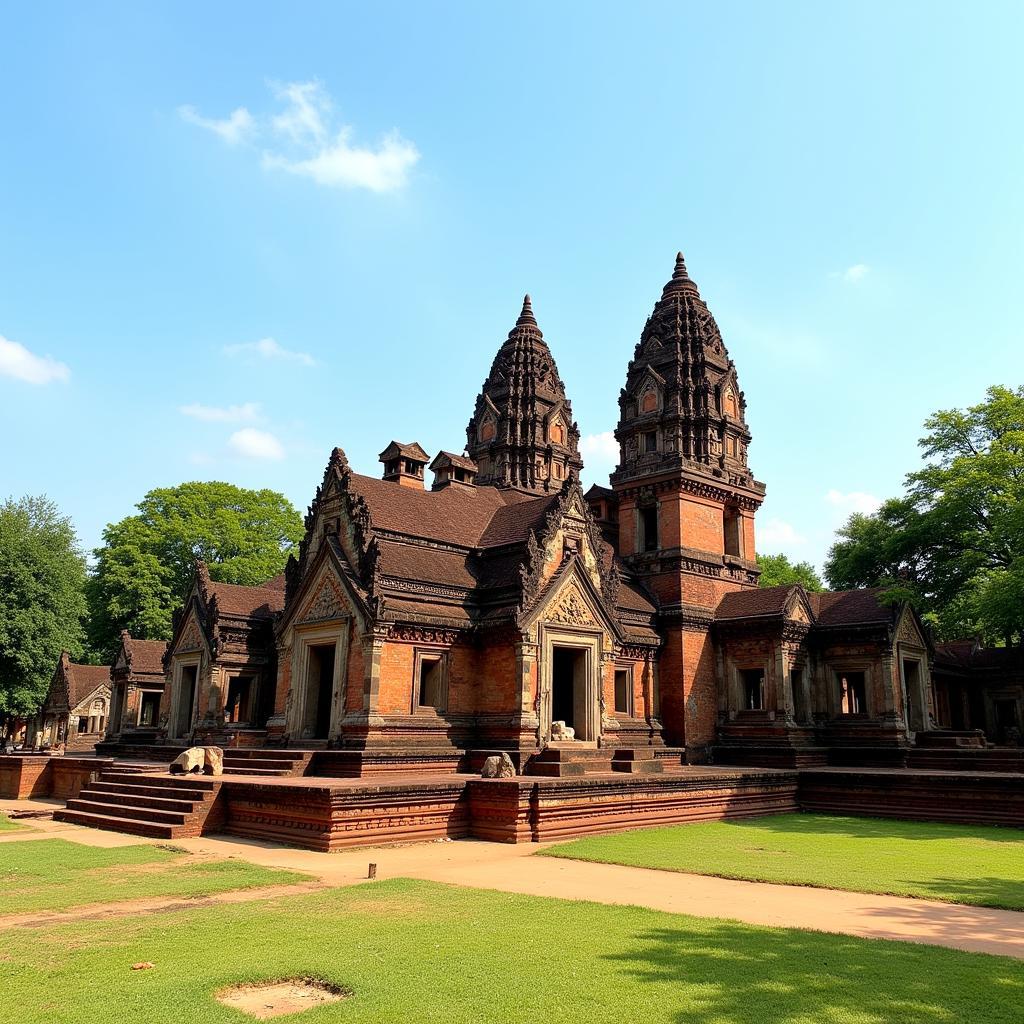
x=779 y=571
x=42 y=601
x=147 y=559
x=954 y=542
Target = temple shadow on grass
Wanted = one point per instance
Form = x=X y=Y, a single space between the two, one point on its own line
x=748 y=975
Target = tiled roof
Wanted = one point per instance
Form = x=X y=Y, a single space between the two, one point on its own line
x=970 y=654
x=248 y=602
x=84 y=679
x=444 y=458
x=749 y=604
x=146 y=656
x=457 y=515
x=512 y=524
x=407 y=451
x=851 y=608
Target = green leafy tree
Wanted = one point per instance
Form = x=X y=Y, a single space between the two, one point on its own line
x=147 y=559
x=42 y=601
x=954 y=542
x=779 y=571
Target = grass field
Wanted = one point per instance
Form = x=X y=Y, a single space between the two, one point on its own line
x=53 y=874
x=953 y=863
x=418 y=951
x=6 y=825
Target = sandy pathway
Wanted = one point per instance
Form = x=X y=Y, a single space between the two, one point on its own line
x=514 y=869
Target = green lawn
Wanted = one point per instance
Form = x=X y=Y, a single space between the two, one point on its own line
x=954 y=863
x=53 y=874
x=418 y=951
x=6 y=825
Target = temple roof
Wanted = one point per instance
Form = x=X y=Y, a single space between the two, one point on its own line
x=84 y=680
x=145 y=657
x=397 y=449
x=831 y=608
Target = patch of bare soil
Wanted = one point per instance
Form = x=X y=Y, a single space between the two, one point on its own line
x=278 y=998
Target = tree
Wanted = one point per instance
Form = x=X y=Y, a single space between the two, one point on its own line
x=42 y=602
x=954 y=543
x=779 y=571
x=147 y=560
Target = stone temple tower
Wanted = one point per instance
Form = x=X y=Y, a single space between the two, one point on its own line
x=522 y=435
x=686 y=497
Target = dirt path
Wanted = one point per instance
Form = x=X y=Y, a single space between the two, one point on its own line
x=514 y=869
x=153 y=905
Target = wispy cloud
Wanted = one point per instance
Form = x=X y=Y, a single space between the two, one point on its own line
x=778 y=533
x=305 y=140
x=255 y=444
x=853 y=501
x=239 y=126
x=854 y=274
x=268 y=348
x=18 y=362
x=222 y=414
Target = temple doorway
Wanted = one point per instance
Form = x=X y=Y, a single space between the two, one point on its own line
x=320 y=684
x=186 y=699
x=569 y=689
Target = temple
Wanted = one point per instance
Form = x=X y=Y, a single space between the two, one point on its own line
x=605 y=643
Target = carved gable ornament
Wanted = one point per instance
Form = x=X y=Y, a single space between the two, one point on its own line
x=570 y=609
x=191 y=637
x=327 y=604
x=908 y=632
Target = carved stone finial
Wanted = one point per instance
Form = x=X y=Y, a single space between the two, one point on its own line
x=526 y=317
x=681 y=279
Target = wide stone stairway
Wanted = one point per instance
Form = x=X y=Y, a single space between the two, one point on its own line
x=163 y=807
x=567 y=760
x=269 y=763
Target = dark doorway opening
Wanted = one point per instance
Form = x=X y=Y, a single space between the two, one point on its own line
x=568 y=688
x=150 y=709
x=912 y=681
x=1007 y=721
x=186 y=699
x=239 y=700
x=321 y=682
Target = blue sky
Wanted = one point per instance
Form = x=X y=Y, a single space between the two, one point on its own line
x=233 y=236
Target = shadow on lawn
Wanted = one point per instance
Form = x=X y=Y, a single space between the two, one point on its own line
x=877 y=828
x=1004 y=893
x=737 y=973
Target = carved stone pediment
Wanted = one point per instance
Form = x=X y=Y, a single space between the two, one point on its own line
x=570 y=609
x=191 y=637
x=327 y=603
x=908 y=632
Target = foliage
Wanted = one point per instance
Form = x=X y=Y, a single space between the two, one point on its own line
x=54 y=874
x=779 y=571
x=954 y=542
x=42 y=601
x=147 y=560
x=971 y=864
x=419 y=951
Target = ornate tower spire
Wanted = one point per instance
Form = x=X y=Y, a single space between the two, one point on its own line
x=682 y=407
x=522 y=433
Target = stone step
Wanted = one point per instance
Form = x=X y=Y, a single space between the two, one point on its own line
x=242 y=769
x=202 y=783
x=111 y=793
x=135 y=812
x=648 y=766
x=635 y=754
x=275 y=764
x=564 y=754
x=556 y=770
x=184 y=793
x=116 y=823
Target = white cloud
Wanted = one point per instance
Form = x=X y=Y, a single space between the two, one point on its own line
x=221 y=414
x=255 y=444
x=602 y=448
x=854 y=274
x=778 y=533
x=238 y=127
x=268 y=348
x=313 y=145
x=342 y=165
x=18 y=362
x=853 y=501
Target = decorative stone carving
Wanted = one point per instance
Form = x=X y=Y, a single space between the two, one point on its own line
x=560 y=731
x=498 y=766
x=326 y=605
x=191 y=638
x=572 y=610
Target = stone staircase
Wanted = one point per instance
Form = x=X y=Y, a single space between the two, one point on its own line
x=162 y=807
x=268 y=763
x=569 y=760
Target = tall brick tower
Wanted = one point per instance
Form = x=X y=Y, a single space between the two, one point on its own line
x=686 y=497
x=522 y=435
